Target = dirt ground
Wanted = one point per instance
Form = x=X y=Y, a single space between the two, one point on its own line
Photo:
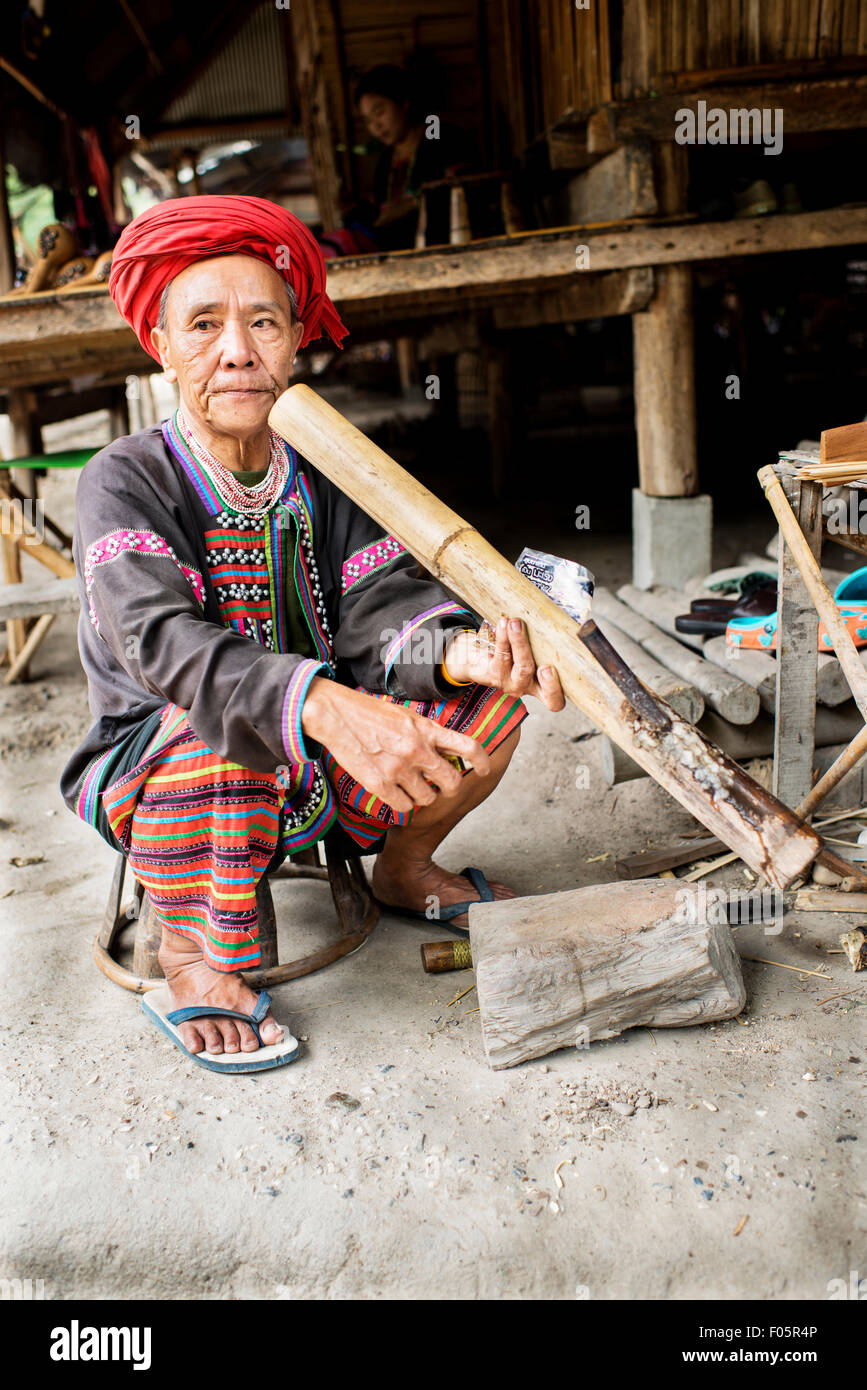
x=714 y=1162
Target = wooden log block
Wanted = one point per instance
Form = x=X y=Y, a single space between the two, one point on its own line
x=729 y=697
x=833 y=727
x=756 y=668
x=759 y=670
x=619 y=186
x=569 y=969
x=768 y=836
x=679 y=693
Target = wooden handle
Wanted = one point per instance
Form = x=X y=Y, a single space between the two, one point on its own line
x=439 y=956
x=764 y=832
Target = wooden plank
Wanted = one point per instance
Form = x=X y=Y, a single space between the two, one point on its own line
x=585 y=965
x=33 y=325
x=655 y=861
x=797 y=643
x=567 y=149
x=823 y=900
x=31 y=600
x=592 y=297
x=829 y=104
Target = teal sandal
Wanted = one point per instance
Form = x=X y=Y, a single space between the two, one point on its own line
x=157 y=1005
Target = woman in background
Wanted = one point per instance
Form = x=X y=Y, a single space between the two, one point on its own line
x=414 y=151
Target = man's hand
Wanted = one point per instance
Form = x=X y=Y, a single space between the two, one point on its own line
x=508 y=663
x=387 y=748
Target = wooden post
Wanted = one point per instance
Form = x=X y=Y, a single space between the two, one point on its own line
x=7 y=245
x=10 y=569
x=797 y=646
x=500 y=415
x=664 y=355
x=664 y=367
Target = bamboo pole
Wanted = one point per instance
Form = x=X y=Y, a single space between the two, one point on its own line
x=764 y=832
x=836 y=772
x=841 y=640
x=32 y=641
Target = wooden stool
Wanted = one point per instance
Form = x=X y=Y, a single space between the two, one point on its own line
x=357 y=914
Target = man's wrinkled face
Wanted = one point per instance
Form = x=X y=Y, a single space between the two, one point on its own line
x=229 y=342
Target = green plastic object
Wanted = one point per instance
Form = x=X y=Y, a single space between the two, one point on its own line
x=68 y=458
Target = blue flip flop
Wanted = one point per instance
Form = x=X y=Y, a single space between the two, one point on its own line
x=157 y=1005
x=445 y=914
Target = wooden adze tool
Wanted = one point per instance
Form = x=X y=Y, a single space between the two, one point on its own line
x=766 y=834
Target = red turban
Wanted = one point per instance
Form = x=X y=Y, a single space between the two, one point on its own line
x=162 y=241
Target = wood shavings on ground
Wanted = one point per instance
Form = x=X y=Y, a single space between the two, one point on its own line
x=459 y=997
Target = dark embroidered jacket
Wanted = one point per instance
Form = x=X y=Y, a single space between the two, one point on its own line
x=183 y=602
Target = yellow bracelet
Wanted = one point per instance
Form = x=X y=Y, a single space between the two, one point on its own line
x=446 y=675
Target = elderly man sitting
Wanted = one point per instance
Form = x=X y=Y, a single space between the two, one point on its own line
x=236 y=612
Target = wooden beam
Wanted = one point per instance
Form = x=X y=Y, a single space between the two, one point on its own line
x=791 y=70
x=502 y=264
x=620 y=185
x=567 y=149
x=83 y=325
x=592 y=297
x=839 y=104
x=201 y=134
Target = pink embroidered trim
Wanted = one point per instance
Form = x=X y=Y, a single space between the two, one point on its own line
x=372 y=557
x=122 y=542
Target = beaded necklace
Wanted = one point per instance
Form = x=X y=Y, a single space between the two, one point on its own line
x=254 y=502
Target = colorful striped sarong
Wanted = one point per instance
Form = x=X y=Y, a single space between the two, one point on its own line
x=199 y=831
x=480 y=711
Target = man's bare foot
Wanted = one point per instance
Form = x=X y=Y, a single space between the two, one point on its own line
x=413 y=886
x=191 y=981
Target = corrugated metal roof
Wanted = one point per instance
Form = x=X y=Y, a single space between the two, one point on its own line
x=247 y=78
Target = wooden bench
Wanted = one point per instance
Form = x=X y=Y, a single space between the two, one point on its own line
x=42 y=602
